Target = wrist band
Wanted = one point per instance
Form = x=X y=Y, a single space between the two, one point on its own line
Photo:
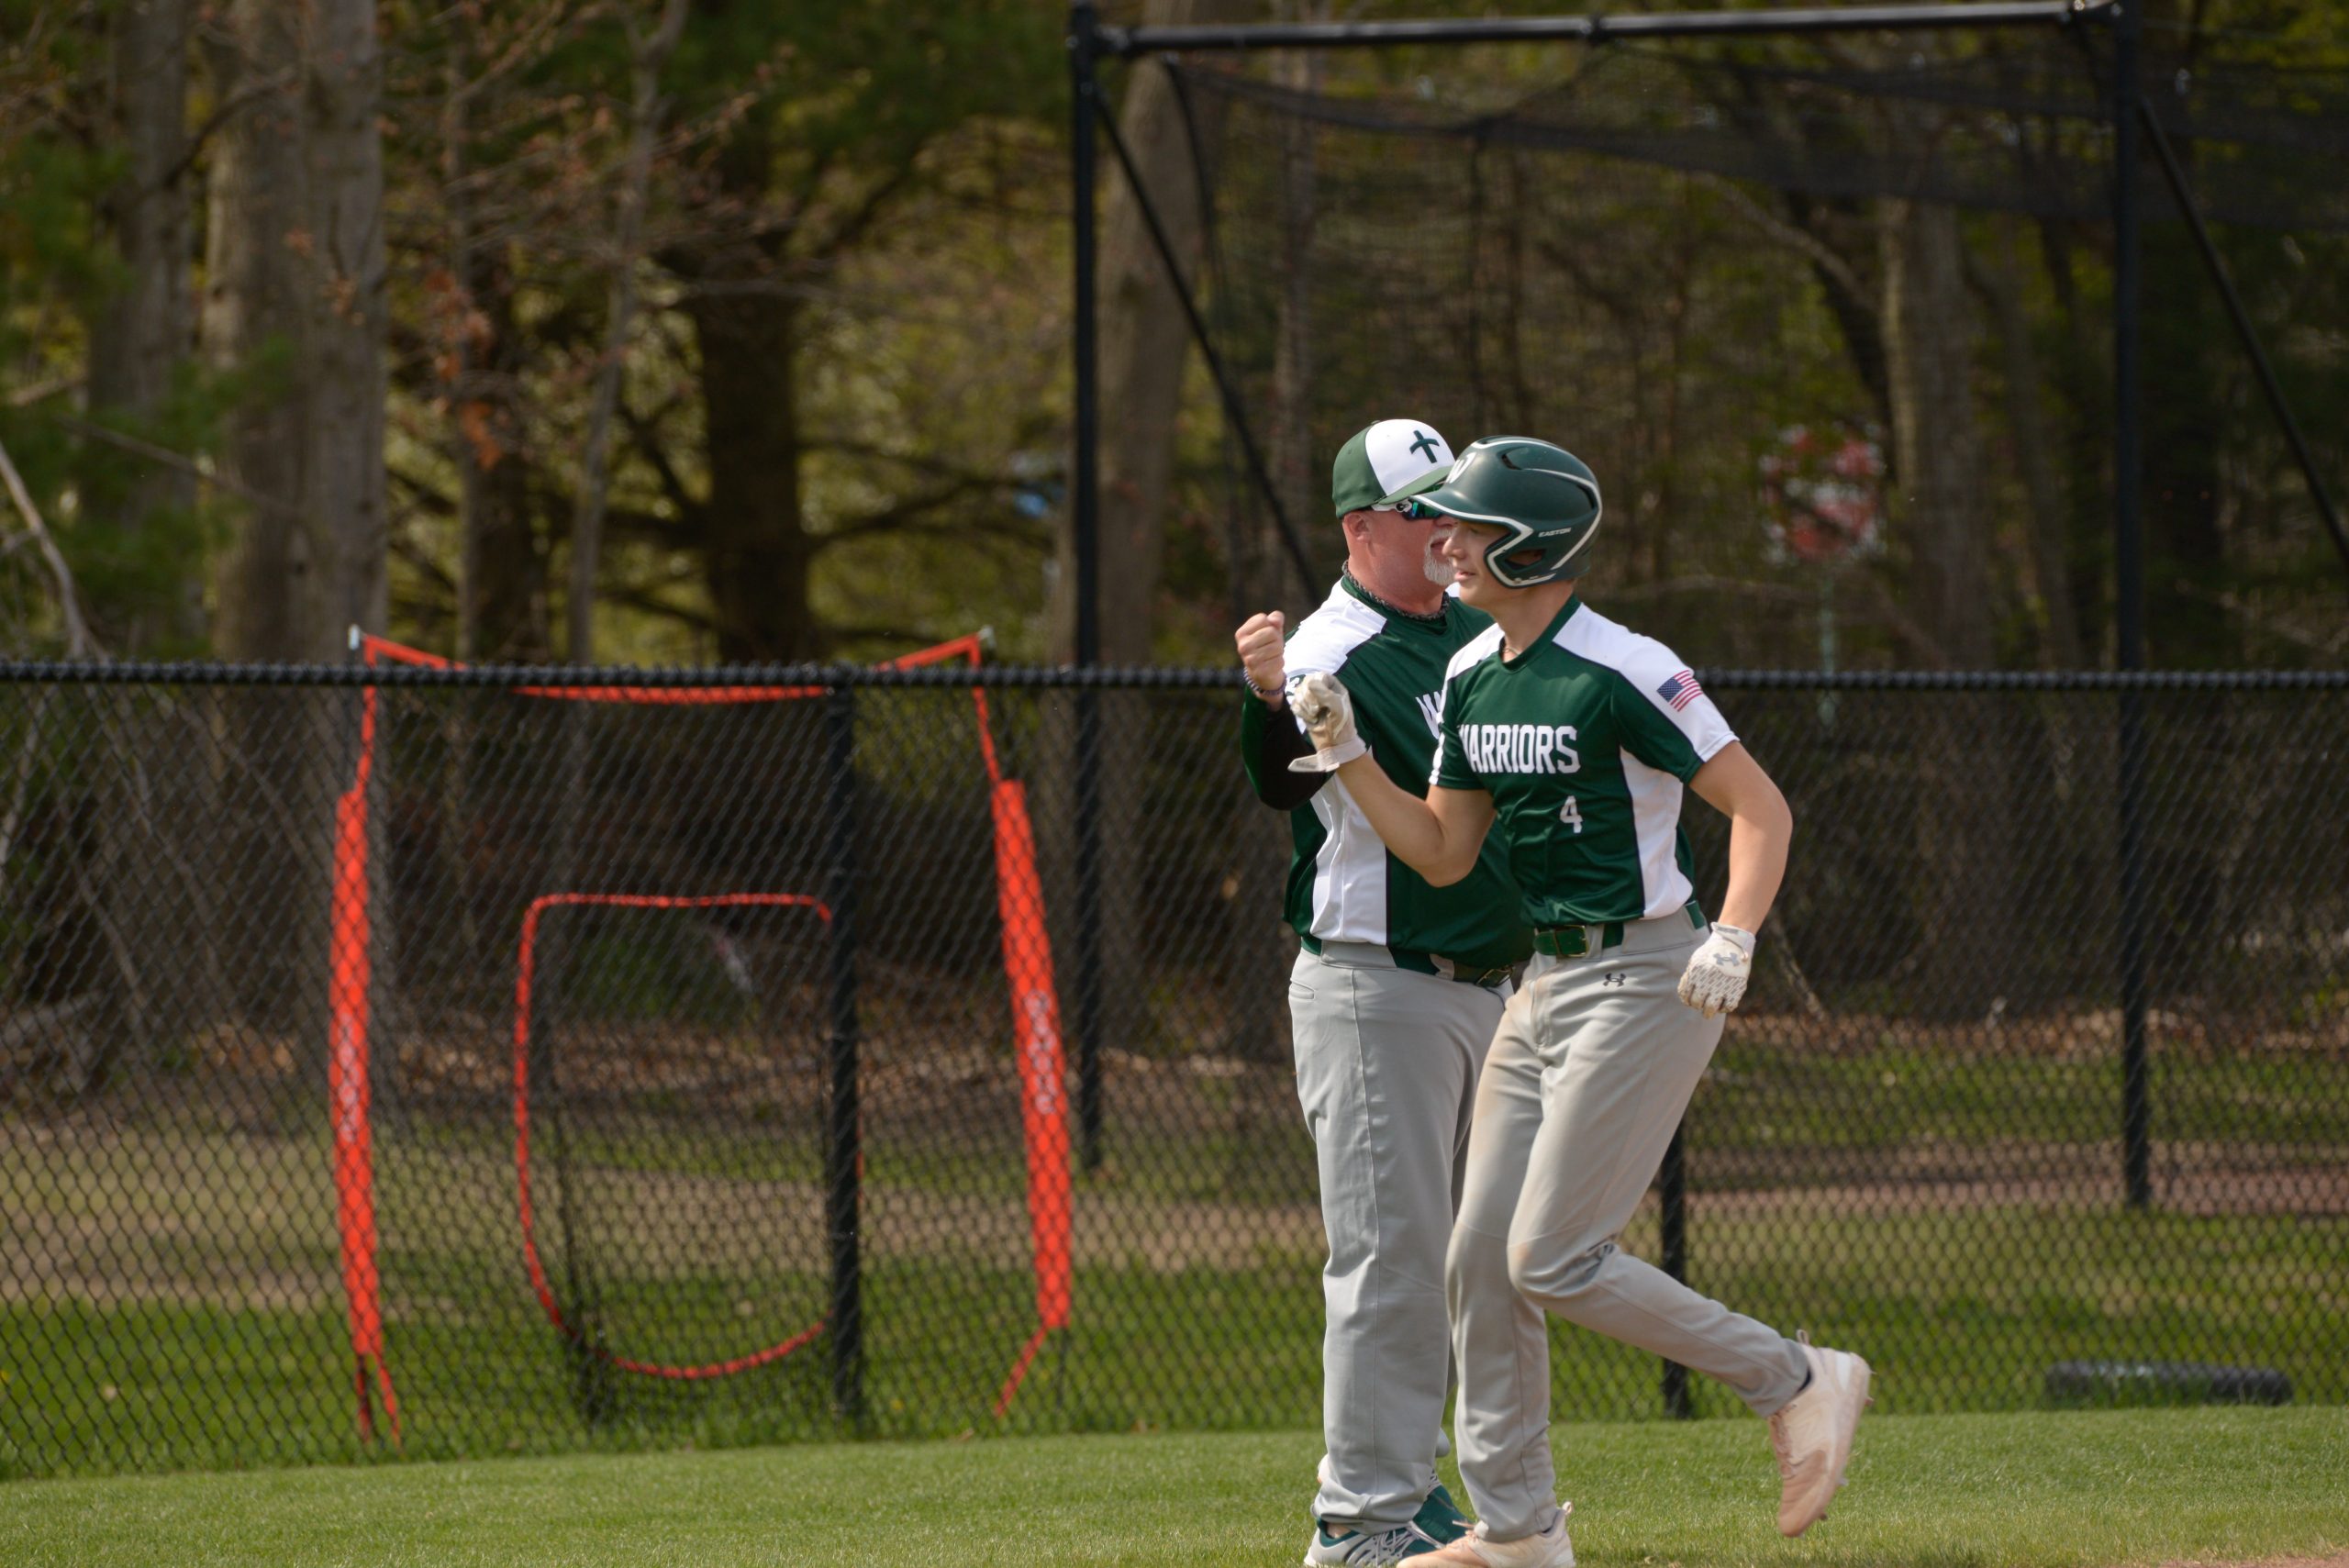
x=1259 y=693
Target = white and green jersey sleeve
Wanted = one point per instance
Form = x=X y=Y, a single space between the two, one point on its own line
x=1584 y=741
x=1343 y=885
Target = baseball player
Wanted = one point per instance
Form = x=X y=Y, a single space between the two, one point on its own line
x=1396 y=993
x=1577 y=739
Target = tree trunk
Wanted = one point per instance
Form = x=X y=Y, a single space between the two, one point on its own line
x=2035 y=437
x=501 y=573
x=507 y=562
x=252 y=325
x=757 y=555
x=342 y=479
x=1964 y=830
x=647 y=56
x=2191 y=362
x=295 y=302
x=2083 y=374
x=156 y=893
x=1937 y=440
x=143 y=331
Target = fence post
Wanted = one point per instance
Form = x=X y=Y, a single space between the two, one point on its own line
x=842 y=1152
x=1672 y=1181
x=2129 y=609
x=1084 y=41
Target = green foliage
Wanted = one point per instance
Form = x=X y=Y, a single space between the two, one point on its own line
x=866 y=81
x=892 y=178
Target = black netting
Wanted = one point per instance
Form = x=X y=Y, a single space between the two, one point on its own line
x=1913 y=1141
x=1831 y=319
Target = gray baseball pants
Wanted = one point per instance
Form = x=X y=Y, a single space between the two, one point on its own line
x=1593 y=1063
x=1386 y=1063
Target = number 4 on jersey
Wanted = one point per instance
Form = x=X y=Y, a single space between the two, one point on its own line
x=1570 y=814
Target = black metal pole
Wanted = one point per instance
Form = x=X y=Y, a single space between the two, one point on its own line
x=1233 y=414
x=2129 y=606
x=1084 y=89
x=844 y=1128
x=1761 y=22
x=1671 y=1183
x=2244 y=332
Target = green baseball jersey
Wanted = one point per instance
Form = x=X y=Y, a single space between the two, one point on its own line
x=1584 y=741
x=1343 y=885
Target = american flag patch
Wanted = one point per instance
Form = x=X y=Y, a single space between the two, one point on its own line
x=1681 y=690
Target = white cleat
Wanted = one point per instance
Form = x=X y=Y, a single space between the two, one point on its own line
x=1813 y=1436
x=1550 y=1548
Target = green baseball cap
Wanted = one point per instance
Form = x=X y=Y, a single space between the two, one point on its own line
x=1382 y=459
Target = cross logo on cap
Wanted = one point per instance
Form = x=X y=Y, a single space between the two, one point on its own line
x=1426 y=445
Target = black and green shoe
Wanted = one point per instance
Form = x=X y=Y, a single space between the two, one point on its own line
x=1441 y=1518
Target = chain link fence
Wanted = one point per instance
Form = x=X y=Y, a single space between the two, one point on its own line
x=479 y=1062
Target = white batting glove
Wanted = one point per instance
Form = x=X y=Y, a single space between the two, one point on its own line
x=1323 y=705
x=1715 y=979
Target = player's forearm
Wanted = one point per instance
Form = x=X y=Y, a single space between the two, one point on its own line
x=1760 y=832
x=1270 y=741
x=1407 y=823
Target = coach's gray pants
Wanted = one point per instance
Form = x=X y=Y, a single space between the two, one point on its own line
x=1387 y=1066
x=1594 y=1061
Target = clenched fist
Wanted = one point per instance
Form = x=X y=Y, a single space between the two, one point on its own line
x=1260 y=644
x=1717 y=972
x=1323 y=705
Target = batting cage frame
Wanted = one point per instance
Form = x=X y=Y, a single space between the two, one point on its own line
x=2137 y=136
x=1028 y=969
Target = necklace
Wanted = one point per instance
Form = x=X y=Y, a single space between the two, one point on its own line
x=1431 y=617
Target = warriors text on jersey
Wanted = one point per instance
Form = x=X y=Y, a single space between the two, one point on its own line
x=1584 y=741
x=1343 y=885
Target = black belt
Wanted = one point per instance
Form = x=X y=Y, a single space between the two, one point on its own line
x=1581 y=941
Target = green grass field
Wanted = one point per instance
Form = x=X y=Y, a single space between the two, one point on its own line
x=159 y=1386
x=2094 y=1490
x=209 y=1331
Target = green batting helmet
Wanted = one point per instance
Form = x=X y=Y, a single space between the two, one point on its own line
x=1542 y=495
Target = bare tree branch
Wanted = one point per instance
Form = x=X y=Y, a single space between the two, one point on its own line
x=916 y=515
x=79 y=644
x=646 y=433
x=25 y=396
x=1822 y=254
x=180 y=461
x=226 y=110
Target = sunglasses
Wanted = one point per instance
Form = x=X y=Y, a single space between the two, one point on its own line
x=1418 y=511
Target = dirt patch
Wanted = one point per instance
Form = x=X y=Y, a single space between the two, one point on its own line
x=2005 y=1176
x=120 y=1217
x=97 y=1213
x=2090 y=1035
x=661 y=1225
